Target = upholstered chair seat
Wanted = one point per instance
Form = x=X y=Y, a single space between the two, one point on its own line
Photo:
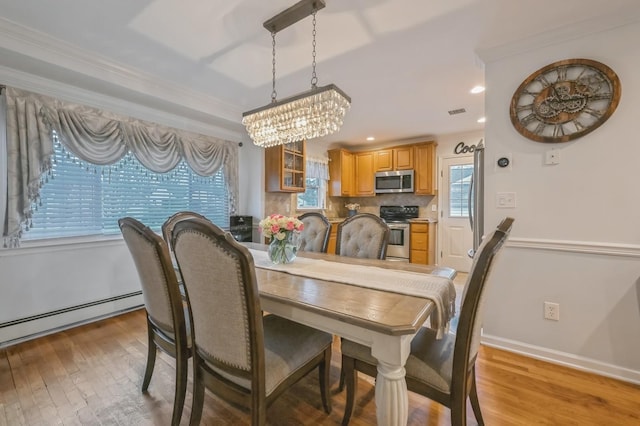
x=315 y=235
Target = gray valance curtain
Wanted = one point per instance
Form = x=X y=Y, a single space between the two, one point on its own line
x=97 y=137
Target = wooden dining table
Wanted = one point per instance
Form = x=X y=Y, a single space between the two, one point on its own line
x=383 y=320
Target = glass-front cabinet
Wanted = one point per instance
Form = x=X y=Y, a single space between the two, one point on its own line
x=285 y=167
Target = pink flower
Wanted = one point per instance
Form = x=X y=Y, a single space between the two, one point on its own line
x=290 y=226
x=275 y=228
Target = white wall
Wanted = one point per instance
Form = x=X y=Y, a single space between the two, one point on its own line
x=447 y=143
x=576 y=239
x=251 y=177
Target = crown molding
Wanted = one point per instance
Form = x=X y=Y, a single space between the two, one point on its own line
x=36 y=45
x=65 y=92
x=559 y=35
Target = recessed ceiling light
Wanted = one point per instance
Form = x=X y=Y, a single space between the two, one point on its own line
x=371 y=138
x=482 y=120
x=477 y=89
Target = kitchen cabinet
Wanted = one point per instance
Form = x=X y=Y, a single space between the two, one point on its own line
x=403 y=158
x=384 y=160
x=284 y=167
x=425 y=173
x=333 y=238
x=400 y=158
x=422 y=243
x=364 y=174
x=341 y=173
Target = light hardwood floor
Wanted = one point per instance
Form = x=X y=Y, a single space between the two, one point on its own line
x=91 y=375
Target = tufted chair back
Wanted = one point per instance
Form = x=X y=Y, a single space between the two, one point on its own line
x=315 y=235
x=364 y=235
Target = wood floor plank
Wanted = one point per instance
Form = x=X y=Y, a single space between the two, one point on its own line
x=91 y=375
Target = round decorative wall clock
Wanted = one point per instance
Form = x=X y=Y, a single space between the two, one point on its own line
x=565 y=100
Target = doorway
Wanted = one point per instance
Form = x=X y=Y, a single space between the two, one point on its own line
x=456 y=236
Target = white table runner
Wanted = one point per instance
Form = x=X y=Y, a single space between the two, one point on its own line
x=438 y=289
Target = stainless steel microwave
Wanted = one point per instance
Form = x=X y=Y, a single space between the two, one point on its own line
x=394 y=181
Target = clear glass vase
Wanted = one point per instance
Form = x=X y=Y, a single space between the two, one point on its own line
x=285 y=250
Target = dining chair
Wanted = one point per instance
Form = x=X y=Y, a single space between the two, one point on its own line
x=167 y=329
x=442 y=370
x=364 y=235
x=240 y=354
x=315 y=235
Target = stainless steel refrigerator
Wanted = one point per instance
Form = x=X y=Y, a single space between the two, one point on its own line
x=476 y=197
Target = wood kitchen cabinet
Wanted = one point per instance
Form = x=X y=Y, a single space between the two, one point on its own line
x=383 y=160
x=284 y=167
x=422 y=243
x=425 y=174
x=400 y=158
x=403 y=158
x=341 y=173
x=333 y=238
x=364 y=174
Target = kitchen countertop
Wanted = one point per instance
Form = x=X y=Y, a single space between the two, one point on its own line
x=416 y=220
x=423 y=219
x=336 y=219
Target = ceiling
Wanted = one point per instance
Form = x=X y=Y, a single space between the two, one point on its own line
x=404 y=63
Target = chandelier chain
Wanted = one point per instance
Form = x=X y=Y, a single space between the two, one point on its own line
x=312 y=114
x=274 y=94
x=314 y=78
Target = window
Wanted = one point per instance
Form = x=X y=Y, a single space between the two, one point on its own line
x=314 y=195
x=460 y=178
x=79 y=199
x=317 y=175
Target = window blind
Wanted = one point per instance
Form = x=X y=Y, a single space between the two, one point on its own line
x=79 y=199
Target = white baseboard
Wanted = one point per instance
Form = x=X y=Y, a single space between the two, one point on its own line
x=563 y=358
x=17 y=331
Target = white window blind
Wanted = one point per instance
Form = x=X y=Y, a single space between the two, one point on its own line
x=460 y=178
x=80 y=199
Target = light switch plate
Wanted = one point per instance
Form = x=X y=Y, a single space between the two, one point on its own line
x=506 y=200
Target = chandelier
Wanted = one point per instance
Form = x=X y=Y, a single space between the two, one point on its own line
x=311 y=114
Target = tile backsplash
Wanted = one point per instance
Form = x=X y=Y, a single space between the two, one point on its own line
x=372 y=205
x=285 y=203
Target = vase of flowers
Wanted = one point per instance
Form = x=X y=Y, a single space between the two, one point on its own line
x=352 y=209
x=284 y=232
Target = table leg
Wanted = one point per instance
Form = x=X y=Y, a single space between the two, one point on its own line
x=392 y=404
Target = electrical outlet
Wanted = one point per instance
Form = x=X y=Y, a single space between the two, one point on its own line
x=552 y=311
x=552 y=157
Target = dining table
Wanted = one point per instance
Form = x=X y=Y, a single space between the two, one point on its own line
x=380 y=317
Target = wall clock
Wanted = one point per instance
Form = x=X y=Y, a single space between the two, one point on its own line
x=565 y=100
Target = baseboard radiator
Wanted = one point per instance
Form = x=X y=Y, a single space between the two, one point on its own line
x=31 y=327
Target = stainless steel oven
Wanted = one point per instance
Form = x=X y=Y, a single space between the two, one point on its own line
x=398 y=247
x=397 y=218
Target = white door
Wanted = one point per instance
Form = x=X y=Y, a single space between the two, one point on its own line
x=456 y=236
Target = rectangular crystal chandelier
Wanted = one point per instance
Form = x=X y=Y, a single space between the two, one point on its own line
x=315 y=113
